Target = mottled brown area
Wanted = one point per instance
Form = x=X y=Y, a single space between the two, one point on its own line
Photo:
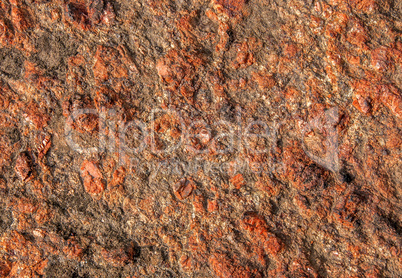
x=200 y=138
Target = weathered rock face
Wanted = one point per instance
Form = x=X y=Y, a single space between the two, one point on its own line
x=200 y=138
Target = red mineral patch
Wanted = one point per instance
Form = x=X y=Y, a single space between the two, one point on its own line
x=183 y=188
x=92 y=177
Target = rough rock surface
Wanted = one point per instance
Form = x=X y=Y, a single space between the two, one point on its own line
x=200 y=138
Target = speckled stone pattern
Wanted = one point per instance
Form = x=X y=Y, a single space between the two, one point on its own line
x=200 y=138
